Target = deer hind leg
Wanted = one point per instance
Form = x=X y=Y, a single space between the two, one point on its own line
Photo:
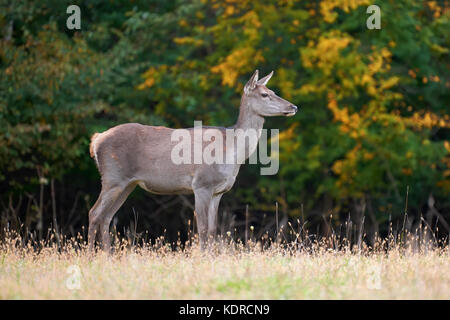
x=94 y=222
x=105 y=224
x=107 y=204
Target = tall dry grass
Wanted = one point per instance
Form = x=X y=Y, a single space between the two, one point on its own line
x=404 y=266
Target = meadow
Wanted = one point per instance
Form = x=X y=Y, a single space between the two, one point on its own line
x=227 y=270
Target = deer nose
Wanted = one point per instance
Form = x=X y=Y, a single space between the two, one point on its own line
x=294 y=107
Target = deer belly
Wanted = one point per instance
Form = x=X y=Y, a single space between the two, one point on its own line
x=164 y=188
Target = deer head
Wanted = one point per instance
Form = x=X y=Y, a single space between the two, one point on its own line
x=264 y=101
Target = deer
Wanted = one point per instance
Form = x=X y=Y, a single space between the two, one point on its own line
x=133 y=154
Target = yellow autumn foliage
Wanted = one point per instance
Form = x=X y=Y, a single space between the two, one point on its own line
x=427 y=120
x=189 y=41
x=240 y=61
x=152 y=76
x=325 y=53
x=327 y=7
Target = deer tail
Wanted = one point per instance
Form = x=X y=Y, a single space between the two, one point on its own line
x=92 y=150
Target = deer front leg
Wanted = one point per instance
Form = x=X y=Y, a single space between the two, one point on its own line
x=212 y=216
x=203 y=199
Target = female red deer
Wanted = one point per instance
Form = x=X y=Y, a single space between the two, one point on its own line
x=133 y=154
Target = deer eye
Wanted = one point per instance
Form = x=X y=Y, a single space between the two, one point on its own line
x=264 y=95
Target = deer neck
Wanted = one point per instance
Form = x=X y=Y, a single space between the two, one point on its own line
x=248 y=119
x=250 y=123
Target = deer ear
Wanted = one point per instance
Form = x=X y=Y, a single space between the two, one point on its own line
x=251 y=84
x=266 y=79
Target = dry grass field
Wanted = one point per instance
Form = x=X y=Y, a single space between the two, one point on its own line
x=228 y=271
